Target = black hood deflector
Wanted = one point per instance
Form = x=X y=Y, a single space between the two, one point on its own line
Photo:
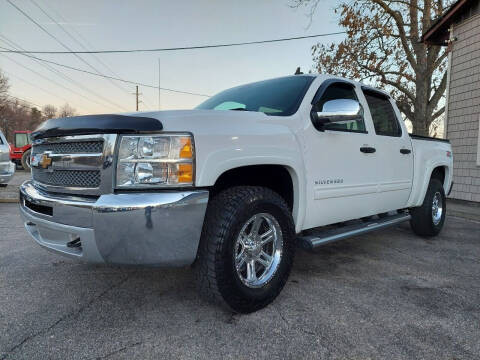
x=97 y=124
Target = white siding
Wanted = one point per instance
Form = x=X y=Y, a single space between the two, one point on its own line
x=464 y=110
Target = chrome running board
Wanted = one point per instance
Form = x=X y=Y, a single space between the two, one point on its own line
x=310 y=242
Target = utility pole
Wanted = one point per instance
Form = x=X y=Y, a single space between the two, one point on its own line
x=137 y=97
x=159 y=107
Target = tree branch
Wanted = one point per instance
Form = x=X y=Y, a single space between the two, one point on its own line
x=398 y=86
x=406 y=109
x=438 y=113
x=408 y=3
x=437 y=62
x=433 y=102
x=401 y=29
x=405 y=75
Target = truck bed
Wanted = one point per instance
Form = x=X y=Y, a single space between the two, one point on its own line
x=428 y=138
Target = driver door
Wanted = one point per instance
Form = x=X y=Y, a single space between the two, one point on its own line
x=341 y=177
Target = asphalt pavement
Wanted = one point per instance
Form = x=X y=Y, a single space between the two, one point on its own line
x=9 y=194
x=385 y=295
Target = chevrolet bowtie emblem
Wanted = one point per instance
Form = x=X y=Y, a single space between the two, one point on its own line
x=45 y=162
x=42 y=160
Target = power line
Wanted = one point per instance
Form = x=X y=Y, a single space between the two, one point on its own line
x=34 y=85
x=58 y=84
x=75 y=40
x=84 y=44
x=110 y=77
x=66 y=47
x=82 y=38
x=53 y=70
x=182 y=47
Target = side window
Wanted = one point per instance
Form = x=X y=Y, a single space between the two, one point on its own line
x=340 y=91
x=383 y=116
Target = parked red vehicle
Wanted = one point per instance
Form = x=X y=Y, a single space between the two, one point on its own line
x=20 y=150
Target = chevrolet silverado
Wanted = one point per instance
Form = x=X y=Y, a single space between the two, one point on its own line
x=235 y=185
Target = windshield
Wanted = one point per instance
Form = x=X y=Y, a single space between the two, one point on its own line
x=280 y=97
x=22 y=139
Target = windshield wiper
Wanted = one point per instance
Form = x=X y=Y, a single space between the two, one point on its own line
x=238 y=109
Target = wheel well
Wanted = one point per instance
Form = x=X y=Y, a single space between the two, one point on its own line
x=274 y=177
x=439 y=173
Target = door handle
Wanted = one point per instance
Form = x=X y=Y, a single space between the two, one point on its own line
x=368 y=149
x=405 y=151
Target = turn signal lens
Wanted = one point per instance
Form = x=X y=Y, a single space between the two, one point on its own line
x=186 y=152
x=185 y=173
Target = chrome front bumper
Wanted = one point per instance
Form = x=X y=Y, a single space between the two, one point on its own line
x=148 y=228
x=7 y=169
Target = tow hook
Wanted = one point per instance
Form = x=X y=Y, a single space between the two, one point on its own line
x=75 y=243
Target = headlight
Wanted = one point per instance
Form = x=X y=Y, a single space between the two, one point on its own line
x=155 y=160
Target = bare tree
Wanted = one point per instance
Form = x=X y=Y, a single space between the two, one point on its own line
x=17 y=114
x=49 y=111
x=36 y=117
x=4 y=86
x=383 y=47
x=66 y=111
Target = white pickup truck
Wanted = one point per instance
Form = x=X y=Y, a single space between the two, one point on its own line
x=235 y=185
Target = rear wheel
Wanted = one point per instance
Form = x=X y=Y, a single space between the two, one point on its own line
x=247 y=248
x=26 y=160
x=428 y=219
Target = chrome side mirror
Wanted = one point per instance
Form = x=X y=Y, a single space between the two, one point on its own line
x=337 y=111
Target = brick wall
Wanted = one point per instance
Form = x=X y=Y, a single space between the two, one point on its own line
x=463 y=116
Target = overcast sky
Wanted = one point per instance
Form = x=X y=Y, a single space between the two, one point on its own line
x=114 y=24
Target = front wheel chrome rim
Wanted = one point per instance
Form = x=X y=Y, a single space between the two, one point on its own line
x=258 y=250
x=437 y=208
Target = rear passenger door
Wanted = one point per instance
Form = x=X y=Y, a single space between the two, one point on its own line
x=393 y=146
x=341 y=178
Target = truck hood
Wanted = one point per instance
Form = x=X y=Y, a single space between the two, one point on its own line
x=201 y=121
x=194 y=121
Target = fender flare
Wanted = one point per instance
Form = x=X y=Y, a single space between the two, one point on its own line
x=290 y=164
x=417 y=199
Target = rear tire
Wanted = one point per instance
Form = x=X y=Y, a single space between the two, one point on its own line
x=233 y=247
x=26 y=160
x=428 y=219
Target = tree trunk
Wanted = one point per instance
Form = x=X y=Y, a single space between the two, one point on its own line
x=421 y=123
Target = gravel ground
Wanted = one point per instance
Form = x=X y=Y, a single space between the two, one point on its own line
x=386 y=295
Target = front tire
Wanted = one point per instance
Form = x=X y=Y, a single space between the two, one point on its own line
x=26 y=160
x=247 y=248
x=428 y=219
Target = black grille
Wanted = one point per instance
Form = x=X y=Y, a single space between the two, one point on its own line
x=76 y=178
x=70 y=147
